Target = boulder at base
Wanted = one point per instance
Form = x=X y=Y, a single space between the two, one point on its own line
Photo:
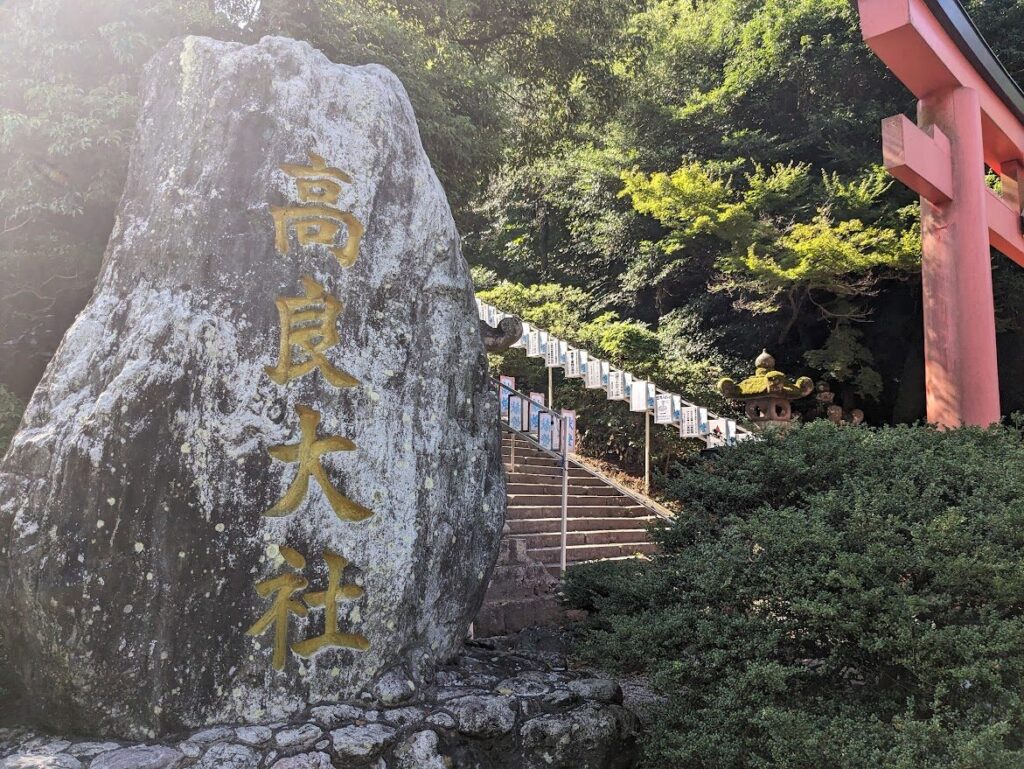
x=263 y=469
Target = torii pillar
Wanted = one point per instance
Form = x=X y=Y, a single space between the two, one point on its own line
x=966 y=118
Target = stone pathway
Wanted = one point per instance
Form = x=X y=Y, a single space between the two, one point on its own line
x=487 y=710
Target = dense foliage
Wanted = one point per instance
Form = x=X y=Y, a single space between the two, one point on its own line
x=812 y=612
x=706 y=168
x=69 y=74
x=724 y=172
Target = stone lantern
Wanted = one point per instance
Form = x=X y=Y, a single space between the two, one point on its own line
x=834 y=412
x=767 y=397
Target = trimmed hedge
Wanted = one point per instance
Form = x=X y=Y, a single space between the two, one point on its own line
x=836 y=598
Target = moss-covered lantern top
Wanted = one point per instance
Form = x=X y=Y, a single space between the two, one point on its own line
x=767 y=396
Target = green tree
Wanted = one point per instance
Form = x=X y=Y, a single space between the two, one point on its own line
x=67 y=115
x=68 y=106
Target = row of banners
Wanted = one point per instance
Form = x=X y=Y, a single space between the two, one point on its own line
x=530 y=415
x=642 y=396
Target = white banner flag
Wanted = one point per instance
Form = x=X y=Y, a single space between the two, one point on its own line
x=574 y=364
x=533 y=344
x=508 y=385
x=617 y=385
x=689 y=423
x=722 y=433
x=638 y=395
x=552 y=353
x=569 y=426
x=515 y=413
x=693 y=422
x=536 y=399
x=663 y=409
x=545 y=432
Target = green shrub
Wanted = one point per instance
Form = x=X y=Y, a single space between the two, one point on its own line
x=837 y=598
x=10 y=416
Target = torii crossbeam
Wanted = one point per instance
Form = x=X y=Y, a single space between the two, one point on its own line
x=970 y=113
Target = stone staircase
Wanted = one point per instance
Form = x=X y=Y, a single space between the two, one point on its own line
x=604 y=522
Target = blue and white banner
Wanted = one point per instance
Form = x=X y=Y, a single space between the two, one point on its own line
x=552 y=353
x=616 y=385
x=509 y=383
x=537 y=399
x=524 y=340
x=569 y=425
x=638 y=395
x=533 y=344
x=544 y=431
x=574 y=364
x=515 y=413
x=692 y=423
x=663 y=414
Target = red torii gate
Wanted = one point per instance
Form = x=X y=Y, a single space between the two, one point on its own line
x=970 y=114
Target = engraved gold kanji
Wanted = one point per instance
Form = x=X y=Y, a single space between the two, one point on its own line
x=320 y=220
x=282 y=588
x=307 y=453
x=309 y=327
x=328 y=600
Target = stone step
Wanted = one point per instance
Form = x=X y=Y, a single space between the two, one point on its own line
x=518 y=510
x=529 y=526
x=548 y=482
x=551 y=474
x=580 y=553
x=575 y=489
x=603 y=523
x=532 y=460
x=574 y=500
x=521 y=445
x=541 y=471
x=606 y=537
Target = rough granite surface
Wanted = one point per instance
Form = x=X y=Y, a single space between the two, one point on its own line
x=133 y=500
x=486 y=710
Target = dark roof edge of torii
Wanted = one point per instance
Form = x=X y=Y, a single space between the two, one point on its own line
x=954 y=19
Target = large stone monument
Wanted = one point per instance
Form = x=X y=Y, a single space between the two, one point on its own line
x=263 y=469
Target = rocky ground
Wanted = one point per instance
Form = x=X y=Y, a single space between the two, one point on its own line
x=493 y=708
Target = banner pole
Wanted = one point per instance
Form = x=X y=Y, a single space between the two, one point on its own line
x=647 y=452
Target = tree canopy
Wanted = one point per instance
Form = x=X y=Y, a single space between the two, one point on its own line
x=706 y=168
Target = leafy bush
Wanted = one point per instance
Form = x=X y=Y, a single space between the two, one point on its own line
x=836 y=598
x=10 y=416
